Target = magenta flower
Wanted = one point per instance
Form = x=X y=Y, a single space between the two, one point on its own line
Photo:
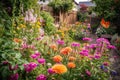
x=41 y=61
x=84 y=52
x=5 y=62
x=111 y=47
x=105 y=63
x=87 y=39
x=50 y=71
x=93 y=46
x=88 y=73
x=13 y=67
x=33 y=56
x=41 y=77
x=75 y=44
x=97 y=56
x=60 y=42
x=37 y=53
x=14 y=76
x=29 y=67
x=102 y=40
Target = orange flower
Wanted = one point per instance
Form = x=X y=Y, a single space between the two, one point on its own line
x=57 y=58
x=71 y=65
x=53 y=46
x=71 y=58
x=104 y=23
x=66 y=50
x=59 y=68
x=17 y=40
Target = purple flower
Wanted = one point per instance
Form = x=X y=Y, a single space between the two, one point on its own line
x=41 y=61
x=75 y=44
x=87 y=39
x=114 y=73
x=111 y=47
x=61 y=42
x=84 y=52
x=102 y=67
x=41 y=77
x=14 y=76
x=29 y=67
x=50 y=71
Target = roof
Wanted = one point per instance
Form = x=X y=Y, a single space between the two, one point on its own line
x=87 y=3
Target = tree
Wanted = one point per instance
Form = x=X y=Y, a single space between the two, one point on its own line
x=109 y=9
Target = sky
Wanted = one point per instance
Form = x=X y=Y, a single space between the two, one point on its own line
x=81 y=0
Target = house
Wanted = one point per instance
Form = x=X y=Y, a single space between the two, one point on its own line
x=87 y=3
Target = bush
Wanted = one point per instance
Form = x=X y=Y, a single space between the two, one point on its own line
x=49 y=22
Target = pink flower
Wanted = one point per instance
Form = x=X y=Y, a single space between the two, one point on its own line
x=97 y=56
x=87 y=39
x=29 y=67
x=50 y=71
x=41 y=77
x=84 y=52
x=105 y=63
x=33 y=56
x=93 y=46
x=13 y=68
x=75 y=44
x=111 y=47
x=24 y=46
x=60 y=42
x=41 y=61
x=88 y=73
x=37 y=53
x=14 y=76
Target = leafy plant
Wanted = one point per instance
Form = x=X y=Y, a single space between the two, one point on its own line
x=49 y=22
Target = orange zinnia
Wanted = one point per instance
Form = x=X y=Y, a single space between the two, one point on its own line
x=53 y=46
x=71 y=65
x=104 y=23
x=17 y=40
x=57 y=58
x=59 y=68
x=71 y=58
x=66 y=50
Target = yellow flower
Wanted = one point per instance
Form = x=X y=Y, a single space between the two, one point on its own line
x=22 y=26
x=59 y=68
x=38 y=23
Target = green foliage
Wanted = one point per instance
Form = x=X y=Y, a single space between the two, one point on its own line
x=61 y=5
x=81 y=17
x=110 y=10
x=49 y=22
x=16 y=7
